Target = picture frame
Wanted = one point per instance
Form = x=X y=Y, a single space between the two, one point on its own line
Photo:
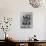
x=26 y=20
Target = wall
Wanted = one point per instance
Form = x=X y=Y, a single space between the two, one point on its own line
x=12 y=8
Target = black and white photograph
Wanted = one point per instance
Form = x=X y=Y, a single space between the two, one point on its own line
x=26 y=20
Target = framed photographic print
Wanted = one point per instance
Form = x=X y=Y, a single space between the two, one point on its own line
x=26 y=20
